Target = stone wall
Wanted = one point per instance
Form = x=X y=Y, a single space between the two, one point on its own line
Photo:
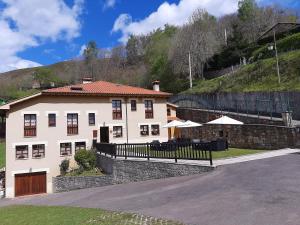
x=61 y=184
x=253 y=136
x=124 y=171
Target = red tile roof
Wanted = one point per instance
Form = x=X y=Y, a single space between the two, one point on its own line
x=103 y=88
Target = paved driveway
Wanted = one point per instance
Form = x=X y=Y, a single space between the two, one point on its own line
x=261 y=192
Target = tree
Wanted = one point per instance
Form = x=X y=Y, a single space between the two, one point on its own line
x=46 y=78
x=91 y=54
x=200 y=39
x=247 y=9
x=132 y=50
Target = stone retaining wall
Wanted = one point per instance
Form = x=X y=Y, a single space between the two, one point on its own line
x=254 y=136
x=124 y=171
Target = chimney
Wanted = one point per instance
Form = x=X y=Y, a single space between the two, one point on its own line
x=155 y=85
x=87 y=80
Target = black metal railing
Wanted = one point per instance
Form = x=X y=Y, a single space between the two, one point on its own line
x=168 y=150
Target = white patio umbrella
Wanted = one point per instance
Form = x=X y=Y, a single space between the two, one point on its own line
x=189 y=123
x=226 y=120
x=174 y=123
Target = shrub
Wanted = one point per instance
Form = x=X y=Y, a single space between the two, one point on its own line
x=86 y=159
x=64 y=166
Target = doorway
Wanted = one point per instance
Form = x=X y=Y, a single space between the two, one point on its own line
x=104 y=134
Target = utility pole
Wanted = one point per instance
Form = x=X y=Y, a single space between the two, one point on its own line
x=276 y=54
x=190 y=68
x=225 y=36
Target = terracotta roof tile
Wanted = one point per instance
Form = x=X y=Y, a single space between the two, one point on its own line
x=104 y=88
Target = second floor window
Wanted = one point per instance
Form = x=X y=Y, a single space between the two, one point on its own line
x=22 y=152
x=169 y=112
x=29 y=125
x=117 y=109
x=133 y=105
x=38 y=151
x=92 y=119
x=72 y=123
x=148 y=109
x=51 y=120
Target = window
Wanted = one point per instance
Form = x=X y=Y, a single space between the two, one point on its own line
x=148 y=109
x=72 y=123
x=133 y=105
x=22 y=152
x=117 y=109
x=155 y=130
x=144 y=129
x=29 y=125
x=117 y=131
x=51 y=120
x=80 y=146
x=169 y=112
x=38 y=151
x=92 y=119
x=65 y=149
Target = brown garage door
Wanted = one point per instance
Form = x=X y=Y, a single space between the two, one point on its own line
x=30 y=183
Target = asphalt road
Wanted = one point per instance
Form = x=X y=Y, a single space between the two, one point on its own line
x=261 y=192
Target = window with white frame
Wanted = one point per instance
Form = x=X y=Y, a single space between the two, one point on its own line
x=117 y=131
x=38 y=151
x=66 y=149
x=144 y=130
x=80 y=146
x=92 y=119
x=22 y=152
x=155 y=129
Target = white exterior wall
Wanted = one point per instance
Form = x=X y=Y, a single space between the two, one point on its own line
x=53 y=136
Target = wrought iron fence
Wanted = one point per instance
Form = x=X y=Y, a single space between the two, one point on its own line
x=168 y=150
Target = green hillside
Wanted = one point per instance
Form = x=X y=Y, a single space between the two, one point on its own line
x=258 y=76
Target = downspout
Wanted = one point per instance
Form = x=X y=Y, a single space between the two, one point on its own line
x=126 y=119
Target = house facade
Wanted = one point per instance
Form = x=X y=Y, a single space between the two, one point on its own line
x=44 y=129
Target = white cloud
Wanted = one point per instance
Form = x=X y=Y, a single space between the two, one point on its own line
x=81 y=51
x=29 y=23
x=109 y=4
x=172 y=14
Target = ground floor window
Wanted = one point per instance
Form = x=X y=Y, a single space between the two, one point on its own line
x=80 y=146
x=22 y=152
x=117 y=131
x=155 y=130
x=65 y=149
x=38 y=151
x=144 y=130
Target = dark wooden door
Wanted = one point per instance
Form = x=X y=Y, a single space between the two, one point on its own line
x=30 y=184
x=104 y=134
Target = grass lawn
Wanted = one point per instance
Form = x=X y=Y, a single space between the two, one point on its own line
x=45 y=215
x=189 y=153
x=2 y=154
x=234 y=152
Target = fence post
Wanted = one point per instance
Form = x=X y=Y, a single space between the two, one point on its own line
x=210 y=158
x=125 y=151
x=116 y=149
x=148 y=152
x=175 y=155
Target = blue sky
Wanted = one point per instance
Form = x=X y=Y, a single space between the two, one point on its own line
x=35 y=32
